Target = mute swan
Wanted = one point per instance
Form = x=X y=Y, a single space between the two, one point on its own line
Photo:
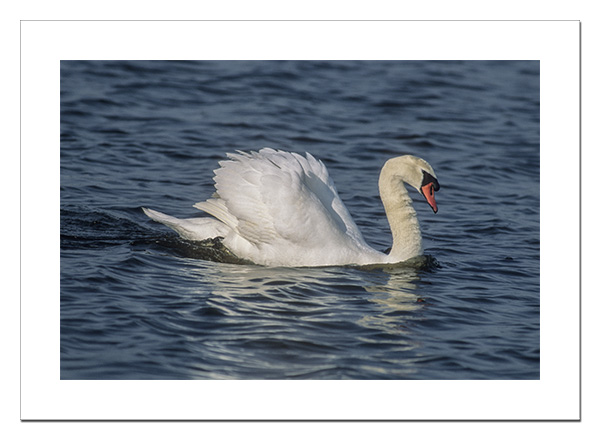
x=276 y=208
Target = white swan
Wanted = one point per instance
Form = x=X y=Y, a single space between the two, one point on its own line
x=276 y=208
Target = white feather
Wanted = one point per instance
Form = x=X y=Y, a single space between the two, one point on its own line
x=200 y=228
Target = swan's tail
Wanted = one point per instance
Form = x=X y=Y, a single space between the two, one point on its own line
x=198 y=229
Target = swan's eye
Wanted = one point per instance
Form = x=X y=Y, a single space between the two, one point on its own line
x=427 y=179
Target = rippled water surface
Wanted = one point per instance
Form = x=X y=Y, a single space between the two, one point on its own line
x=138 y=302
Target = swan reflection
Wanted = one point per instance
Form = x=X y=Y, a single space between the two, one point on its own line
x=382 y=298
x=397 y=299
x=310 y=321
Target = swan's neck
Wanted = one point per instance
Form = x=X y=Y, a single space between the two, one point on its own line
x=402 y=218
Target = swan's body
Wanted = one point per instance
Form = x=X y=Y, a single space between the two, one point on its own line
x=276 y=208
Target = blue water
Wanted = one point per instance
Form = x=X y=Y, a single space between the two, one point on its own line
x=138 y=302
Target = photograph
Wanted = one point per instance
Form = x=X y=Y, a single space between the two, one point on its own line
x=300 y=219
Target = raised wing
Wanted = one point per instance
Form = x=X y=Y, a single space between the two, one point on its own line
x=272 y=196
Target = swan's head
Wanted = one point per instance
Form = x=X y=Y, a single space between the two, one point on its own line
x=414 y=171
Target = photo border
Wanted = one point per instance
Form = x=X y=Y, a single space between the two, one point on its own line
x=556 y=396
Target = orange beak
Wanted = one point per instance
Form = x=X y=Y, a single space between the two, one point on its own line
x=428 y=191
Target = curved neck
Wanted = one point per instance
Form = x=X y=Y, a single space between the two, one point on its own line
x=401 y=216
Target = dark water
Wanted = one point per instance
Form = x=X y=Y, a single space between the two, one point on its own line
x=137 y=302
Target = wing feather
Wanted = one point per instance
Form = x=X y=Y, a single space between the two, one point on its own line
x=270 y=198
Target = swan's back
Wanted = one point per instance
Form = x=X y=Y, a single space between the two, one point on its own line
x=283 y=207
